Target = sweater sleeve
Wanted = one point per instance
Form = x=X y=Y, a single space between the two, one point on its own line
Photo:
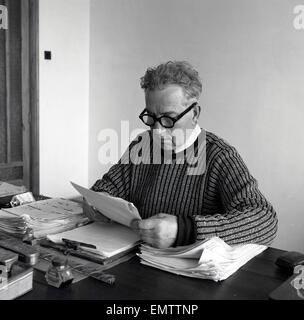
x=247 y=216
x=115 y=182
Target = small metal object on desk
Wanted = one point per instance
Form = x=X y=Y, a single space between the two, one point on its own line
x=59 y=273
x=7 y=259
x=29 y=238
x=27 y=254
x=21 y=199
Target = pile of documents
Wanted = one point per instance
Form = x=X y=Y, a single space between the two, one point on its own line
x=210 y=259
x=42 y=217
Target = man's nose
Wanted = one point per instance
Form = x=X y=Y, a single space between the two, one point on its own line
x=157 y=125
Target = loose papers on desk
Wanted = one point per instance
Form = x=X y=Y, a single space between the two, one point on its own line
x=116 y=209
x=42 y=217
x=210 y=259
x=109 y=239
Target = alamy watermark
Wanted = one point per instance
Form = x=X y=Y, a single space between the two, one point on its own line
x=298 y=21
x=153 y=147
x=3 y=17
x=298 y=282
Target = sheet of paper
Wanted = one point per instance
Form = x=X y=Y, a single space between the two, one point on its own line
x=109 y=238
x=7 y=189
x=116 y=209
x=192 y=251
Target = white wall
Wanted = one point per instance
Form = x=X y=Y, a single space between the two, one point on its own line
x=64 y=95
x=251 y=60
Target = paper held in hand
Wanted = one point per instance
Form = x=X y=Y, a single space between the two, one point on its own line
x=116 y=209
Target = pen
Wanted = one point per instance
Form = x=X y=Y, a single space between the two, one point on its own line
x=77 y=252
x=76 y=244
x=97 y=274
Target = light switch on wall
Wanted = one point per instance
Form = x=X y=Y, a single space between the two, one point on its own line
x=47 y=55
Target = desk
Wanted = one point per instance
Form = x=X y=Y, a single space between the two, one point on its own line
x=255 y=280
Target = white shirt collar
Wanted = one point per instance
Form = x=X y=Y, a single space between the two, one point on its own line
x=191 y=139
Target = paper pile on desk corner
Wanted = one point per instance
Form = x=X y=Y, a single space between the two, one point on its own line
x=43 y=217
x=210 y=259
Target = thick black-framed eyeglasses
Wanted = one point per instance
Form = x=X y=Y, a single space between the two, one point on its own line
x=166 y=121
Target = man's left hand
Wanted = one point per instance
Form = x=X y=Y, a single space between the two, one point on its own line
x=159 y=231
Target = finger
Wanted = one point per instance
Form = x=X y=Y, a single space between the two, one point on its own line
x=148 y=240
x=134 y=224
x=86 y=205
x=156 y=217
x=88 y=211
x=159 y=216
x=147 y=233
x=156 y=243
x=147 y=224
x=94 y=214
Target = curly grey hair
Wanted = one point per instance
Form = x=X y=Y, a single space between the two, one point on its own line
x=173 y=72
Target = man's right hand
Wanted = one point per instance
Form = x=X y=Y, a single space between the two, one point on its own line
x=92 y=213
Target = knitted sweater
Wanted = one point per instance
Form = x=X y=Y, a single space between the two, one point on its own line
x=224 y=201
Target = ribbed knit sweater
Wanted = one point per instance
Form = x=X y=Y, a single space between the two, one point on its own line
x=224 y=201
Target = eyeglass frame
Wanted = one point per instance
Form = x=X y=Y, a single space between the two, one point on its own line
x=158 y=119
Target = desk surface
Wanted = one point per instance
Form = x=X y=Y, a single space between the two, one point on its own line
x=255 y=280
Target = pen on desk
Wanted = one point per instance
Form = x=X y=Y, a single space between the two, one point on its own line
x=97 y=274
x=76 y=244
x=107 y=278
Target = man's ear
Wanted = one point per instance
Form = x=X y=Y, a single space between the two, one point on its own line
x=196 y=113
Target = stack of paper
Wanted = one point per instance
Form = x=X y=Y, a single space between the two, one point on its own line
x=211 y=259
x=109 y=239
x=42 y=217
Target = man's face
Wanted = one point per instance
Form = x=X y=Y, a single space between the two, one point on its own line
x=172 y=101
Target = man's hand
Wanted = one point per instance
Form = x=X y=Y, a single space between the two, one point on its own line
x=159 y=231
x=92 y=213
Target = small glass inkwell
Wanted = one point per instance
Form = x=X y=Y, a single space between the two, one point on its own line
x=59 y=273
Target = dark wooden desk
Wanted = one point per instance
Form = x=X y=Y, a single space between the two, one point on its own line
x=256 y=280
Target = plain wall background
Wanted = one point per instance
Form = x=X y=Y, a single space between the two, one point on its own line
x=64 y=95
x=250 y=58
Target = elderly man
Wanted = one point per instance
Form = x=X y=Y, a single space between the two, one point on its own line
x=178 y=208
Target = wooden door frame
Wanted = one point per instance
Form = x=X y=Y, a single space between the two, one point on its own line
x=30 y=92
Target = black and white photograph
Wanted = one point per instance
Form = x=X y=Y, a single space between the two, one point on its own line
x=152 y=153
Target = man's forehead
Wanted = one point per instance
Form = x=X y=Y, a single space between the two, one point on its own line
x=169 y=91
x=169 y=98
